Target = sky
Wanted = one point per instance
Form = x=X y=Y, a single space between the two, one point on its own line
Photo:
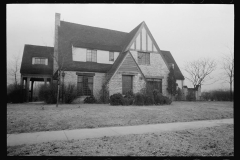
x=188 y=31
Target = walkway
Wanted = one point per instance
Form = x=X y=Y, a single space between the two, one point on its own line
x=65 y=135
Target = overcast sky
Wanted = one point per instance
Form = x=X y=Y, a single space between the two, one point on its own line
x=188 y=31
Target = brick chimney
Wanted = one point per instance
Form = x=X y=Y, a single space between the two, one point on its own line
x=57 y=24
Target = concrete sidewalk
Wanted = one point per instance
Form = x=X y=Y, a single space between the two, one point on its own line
x=65 y=135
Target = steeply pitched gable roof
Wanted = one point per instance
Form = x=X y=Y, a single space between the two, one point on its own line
x=36 y=51
x=117 y=64
x=130 y=36
x=169 y=58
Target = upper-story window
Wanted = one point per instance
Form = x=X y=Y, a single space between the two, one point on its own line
x=91 y=55
x=40 y=60
x=111 y=56
x=143 y=58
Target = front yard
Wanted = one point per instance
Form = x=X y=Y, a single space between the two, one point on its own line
x=22 y=118
x=213 y=141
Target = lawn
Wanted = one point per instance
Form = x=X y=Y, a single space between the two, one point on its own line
x=22 y=118
x=212 y=141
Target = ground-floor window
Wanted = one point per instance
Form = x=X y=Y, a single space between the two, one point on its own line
x=155 y=84
x=85 y=85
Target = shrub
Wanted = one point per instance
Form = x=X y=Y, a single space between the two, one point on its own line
x=179 y=95
x=191 y=97
x=104 y=95
x=90 y=99
x=148 y=100
x=129 y=94
x=48 y=93
x=158 y=99
x=15 y=94
x=221 y=95
x=116 y=99
x=69 y=93
x=139 y=99
x=128 y=101
x=167 y=100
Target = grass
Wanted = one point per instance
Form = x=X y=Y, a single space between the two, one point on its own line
x=22 y=118
x=211 y=141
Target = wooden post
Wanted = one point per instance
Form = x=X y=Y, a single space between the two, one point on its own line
x=27 y=88
x=32 y=91
x=45 y=81
x=21 y=81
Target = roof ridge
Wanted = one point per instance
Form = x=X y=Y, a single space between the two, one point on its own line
x=94 y=27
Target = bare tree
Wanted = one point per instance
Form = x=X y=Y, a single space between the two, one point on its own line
x=13 y=71
x=228 y=69
x=60 y=69
x=199 y=70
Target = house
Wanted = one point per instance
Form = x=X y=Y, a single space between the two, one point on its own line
x=90 y=57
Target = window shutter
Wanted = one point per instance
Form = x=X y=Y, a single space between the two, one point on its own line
x=33 y=60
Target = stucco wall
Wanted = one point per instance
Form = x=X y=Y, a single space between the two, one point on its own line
x=79 y=54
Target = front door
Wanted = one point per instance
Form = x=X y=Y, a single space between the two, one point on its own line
x=126 y=84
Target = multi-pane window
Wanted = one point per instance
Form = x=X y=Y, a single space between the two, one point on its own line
x=155 y=84
x=91 y=55
x=38 y=60
x=143 y=58
x=85 y=85
x=111 y=56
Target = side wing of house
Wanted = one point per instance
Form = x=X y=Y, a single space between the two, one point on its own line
x=126 y=75
x=149 y=58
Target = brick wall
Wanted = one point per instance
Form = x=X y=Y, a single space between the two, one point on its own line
x=157 y=67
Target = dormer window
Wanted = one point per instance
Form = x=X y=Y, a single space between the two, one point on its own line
x=40 y=60
x=91 y=55
x=111 y=56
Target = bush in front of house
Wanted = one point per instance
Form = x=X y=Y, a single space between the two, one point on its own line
x=139 y=99
x=48 y=93
x=127 y=101
x=128 y=98
x=91 y=99
x=104 y=95
x=116 y=99
x=159 y=99
x=191 y=97
x=148 y=100
x=15 y=94
x=69 y=93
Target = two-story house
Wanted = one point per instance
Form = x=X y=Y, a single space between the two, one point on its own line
x=92 y=56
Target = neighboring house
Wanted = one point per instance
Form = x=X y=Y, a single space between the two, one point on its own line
x=91 y=56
